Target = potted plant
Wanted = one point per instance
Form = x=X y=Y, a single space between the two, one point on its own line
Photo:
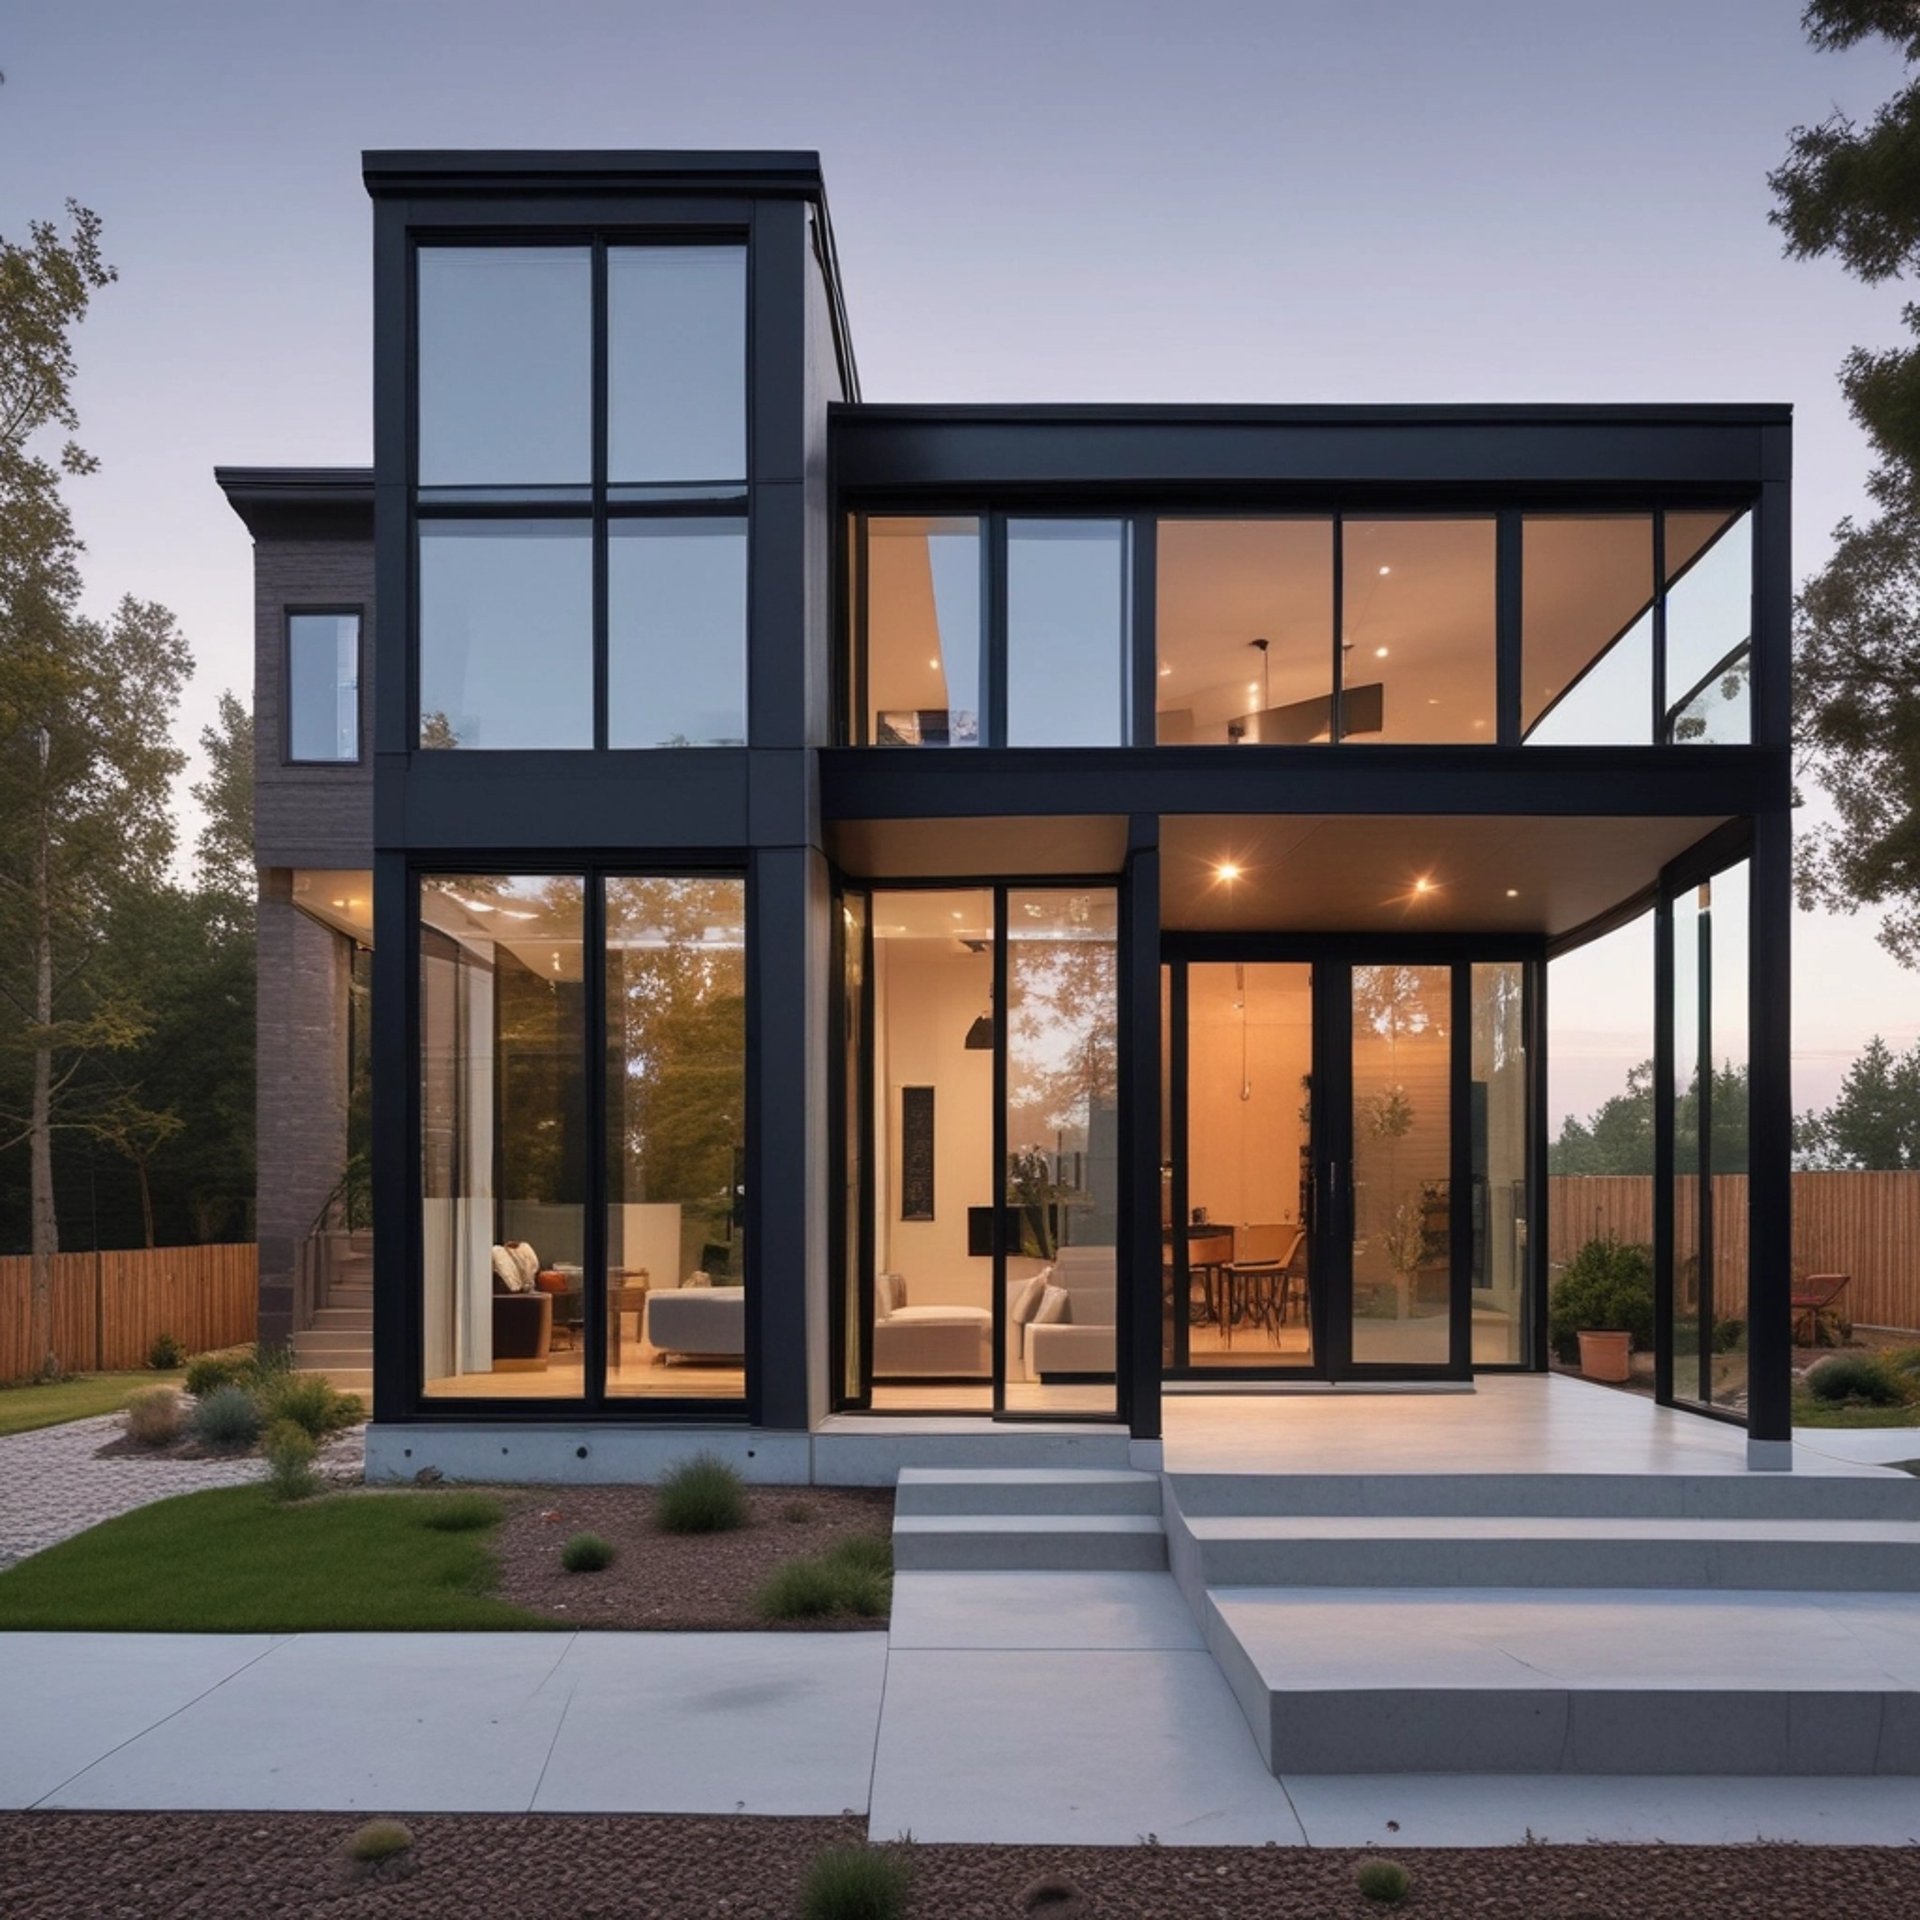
x=1602 y=1307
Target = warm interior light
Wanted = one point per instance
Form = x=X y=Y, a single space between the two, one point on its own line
x=934 y=664
x=1379 y=653
x=1226 y=870
x=1423 y=885
x=1384 y=571
x=339 y=903
x=1164 y=671
x=1513 y=893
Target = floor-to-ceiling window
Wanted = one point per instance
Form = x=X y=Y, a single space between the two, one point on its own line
x=521 y=1297
x=1710 y=1112
x=954 y=1077
x=1500 y=1092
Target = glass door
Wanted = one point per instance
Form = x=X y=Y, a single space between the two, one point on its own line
x=1238 y=1273
x=1403 y=1306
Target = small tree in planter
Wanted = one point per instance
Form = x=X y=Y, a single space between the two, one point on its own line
x=1606 y=1288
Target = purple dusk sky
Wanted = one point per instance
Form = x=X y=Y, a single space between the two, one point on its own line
x=1234 y=200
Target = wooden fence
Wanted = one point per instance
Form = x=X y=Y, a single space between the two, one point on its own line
x=1863 y=1224
x=108 y=1308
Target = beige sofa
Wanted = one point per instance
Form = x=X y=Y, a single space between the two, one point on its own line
x=1084 y=1341
x=927 y=1342
x=710 y=1322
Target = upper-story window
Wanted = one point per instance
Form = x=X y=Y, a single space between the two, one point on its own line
x=1296 y=629
x=323 y=687
x=1637 y=627
x=940 y=667
x=582 y=575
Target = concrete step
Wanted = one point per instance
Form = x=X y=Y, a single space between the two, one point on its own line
x=348 y=1319
x=316 y=1349
x=1886 y=1495
x=1402 y=1551
x=1028 y=1542
x=1492 y=1681
x=1034 y=1490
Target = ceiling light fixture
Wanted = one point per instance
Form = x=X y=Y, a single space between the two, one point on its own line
x=1423 y=885
x=1379 y=653
x=1227 y=871
x=1384 y=571
x=1513 y=893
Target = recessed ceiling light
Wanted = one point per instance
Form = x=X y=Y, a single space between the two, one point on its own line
x=1253 y=686
x=934 y=664
x=1479 y=723
x=1423 y=885
x=1164 y=671
x=1384 y=571
x=1379 y=653
x=1513 y=893
x=1226 y=870
x=958 y=915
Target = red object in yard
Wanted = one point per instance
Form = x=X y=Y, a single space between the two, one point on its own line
x=1811 y=1298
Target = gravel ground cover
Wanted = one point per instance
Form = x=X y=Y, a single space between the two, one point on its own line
x=58 y=1481
x=545 y=1867
x=702 y=1582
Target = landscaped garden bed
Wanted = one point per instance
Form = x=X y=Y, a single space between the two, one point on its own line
x=678 y=1580
x=649 y=1867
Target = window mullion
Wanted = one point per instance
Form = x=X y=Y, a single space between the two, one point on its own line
x=599 y=379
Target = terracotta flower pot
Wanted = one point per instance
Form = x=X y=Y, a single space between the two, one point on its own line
x=1604 y=1356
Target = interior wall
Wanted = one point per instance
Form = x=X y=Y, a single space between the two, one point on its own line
x=928 y=993
x=1245 y=1106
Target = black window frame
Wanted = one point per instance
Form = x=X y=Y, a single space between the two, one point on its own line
x=592 y=503
x=295 y=610
x=593 y=1403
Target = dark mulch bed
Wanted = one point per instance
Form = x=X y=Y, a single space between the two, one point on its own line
x=692 y=1582
x=544 y=1867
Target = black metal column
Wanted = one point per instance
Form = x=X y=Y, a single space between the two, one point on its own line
x=1139 y=1077
x=1770 y=1132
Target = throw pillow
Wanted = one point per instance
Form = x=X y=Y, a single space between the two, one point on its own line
x=506 y=1269
x=1053 y=1307
x=526 y=1260
x=887 y=1291
x=1027 y=1301
x=550 y=1281
x=698 y=1278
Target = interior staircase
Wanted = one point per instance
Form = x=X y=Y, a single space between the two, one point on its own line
x=339 y=1343
x=1580 y=1623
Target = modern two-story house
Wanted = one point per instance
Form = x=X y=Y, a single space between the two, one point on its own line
x=812 y=910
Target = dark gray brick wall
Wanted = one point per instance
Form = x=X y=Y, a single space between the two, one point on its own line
x=309 y=816
x=301 y=1087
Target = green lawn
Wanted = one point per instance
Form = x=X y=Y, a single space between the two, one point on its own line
x=1809 y=1412
x=236 y=1560
x=24 y=1408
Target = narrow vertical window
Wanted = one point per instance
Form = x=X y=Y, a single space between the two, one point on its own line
x=1066 y=633
x=323 y=687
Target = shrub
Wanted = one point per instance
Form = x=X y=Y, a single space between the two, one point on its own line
x=1859 y=1379
x=378 y=1840
x=228 y=1418
x=796 y=1513
x=864 y=1593
x=855 y=1883
x=587 y=1553
x=208 y=1371
x=266 y=1365
x=165 y=1354
x=862 y=1553
x=460 y=1512
x=1383 y=1880
x=1904 y=1361
x=155 y=1417
x=1729 y=1336
x=805 y=1589
x=310 y=1401
x=290 y=1449
x=1606 y=1286
x=701 y=1495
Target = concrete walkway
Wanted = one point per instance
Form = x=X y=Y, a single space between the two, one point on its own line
x=1002 y=1707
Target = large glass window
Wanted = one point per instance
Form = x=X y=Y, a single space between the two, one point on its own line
x=1402 y=1149
x=925 y=658
x=677 y=633
x=1710 y=1034
x=1417 y=655
x=1244 y=632
x=1066 y=633
x=506 y=633
x=323 y=686
x=1709 y=628
x=505 y=358
x=932 y=1106
x=1499 y=1090
x=677 y=366
x=504 y=1135
x=676 y=1137
x=1062 y=1174
x=1587 y=629
x=518 y=492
